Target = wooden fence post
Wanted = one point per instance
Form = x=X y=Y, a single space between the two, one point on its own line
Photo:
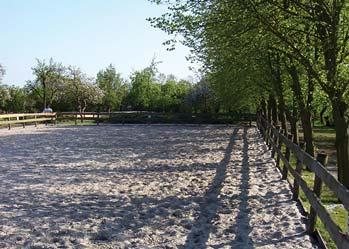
x=9 y=125
x=299 y=168
x=23 y=122
x=261 y=127
x=276 y=138
x=287 y=157
x=76 y=119
x=321 y=158
x=278 y=146
x=270 y=135
x=35 y=123
x=97 y=118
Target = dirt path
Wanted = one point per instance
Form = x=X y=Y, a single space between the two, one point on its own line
x=143 y=187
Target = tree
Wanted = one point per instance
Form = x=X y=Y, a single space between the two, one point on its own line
x=144 y=93
x=4 y=98
x=173 y=93
x=111 y=83
x=17 y=101
x=81 y=90
x=49 y=79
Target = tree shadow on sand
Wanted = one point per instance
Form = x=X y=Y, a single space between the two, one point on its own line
x=199 y=234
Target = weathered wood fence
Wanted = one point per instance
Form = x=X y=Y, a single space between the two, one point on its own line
x=82 y=116
x=155 y=117
x=276 y=139
x=26 y=118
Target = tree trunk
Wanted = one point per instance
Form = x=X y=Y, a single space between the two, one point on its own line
x=264 y=108
x=279 y=92
x=273 y=110
x=307 y=131
x=342 y=140
x=269 y=110
x=292 y=118
x=322 y=115
x=282 y=117
x=304 y=111
x=45 y=93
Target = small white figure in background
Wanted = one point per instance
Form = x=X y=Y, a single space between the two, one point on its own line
x=48 y=109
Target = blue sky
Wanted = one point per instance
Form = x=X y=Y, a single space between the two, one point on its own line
x=89 y=34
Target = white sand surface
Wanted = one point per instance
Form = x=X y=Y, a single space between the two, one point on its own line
x=141 y=186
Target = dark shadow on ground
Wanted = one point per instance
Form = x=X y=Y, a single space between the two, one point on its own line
x=242 y=224
x=209 y=204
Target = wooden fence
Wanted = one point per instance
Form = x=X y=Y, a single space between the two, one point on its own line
x=155 y=117
x=26 y=118
x=275 y=139
x=81 y=116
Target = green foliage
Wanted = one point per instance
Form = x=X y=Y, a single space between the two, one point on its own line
x=67 y=88
x=18 y=100
x=113 y=88
x=145 y=93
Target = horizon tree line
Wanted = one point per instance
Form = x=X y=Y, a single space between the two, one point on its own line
x=67 y=88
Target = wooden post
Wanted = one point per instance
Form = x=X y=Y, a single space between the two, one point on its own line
x=23 y=122
x=279 y=145
x=35 y=123
x=262 y=128
x=266 y=133
x=323 y=159
x=266 y=130
x=9 y=125
x=299 y=167
x=276 y=139
x=287 y=157
x=76 y=119
x=270 y=135
x=97 y=118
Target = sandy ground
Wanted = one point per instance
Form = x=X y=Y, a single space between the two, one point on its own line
x=140 y=186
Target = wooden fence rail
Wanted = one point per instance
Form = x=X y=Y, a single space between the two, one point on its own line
x=25 y=118
x=150 y=117
x=275 y=139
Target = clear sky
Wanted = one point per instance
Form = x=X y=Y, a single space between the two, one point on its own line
x=89 y=34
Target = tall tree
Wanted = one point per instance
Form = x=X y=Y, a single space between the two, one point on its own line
x=48 y=80
x=111 y=83
x=82 y=90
